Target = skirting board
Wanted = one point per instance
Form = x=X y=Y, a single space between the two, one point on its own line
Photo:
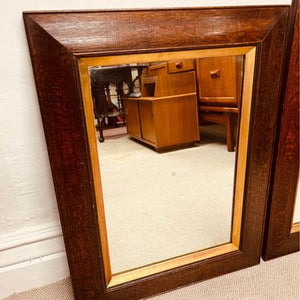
x=32 y=259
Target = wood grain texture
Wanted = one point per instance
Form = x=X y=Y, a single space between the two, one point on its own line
x=169 y=118
x=183 y=109
x=181 y=65
x=226 y=119
x=279 y=240
x=217 y=80
x=172 y=263
x=64 y=125
x=93 y=149
x=219 y=109
x=175 y=84
x=155 y=119
x=108 y=60
x=56 y=40
x=295 y=228
x=147 y=122
x=102 y=32
x=132 y=116
x=243 y=145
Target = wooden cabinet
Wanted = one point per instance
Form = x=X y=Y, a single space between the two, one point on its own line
x=166 y=114
x=132 y=118
x=164 y=122
x=216 y=80
x=147 y=122
x=168 y=85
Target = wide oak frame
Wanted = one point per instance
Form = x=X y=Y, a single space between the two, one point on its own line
x=244 y=119
x=282 y=236
x=59 y=40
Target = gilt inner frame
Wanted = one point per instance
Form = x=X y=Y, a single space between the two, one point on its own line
x=242 y=150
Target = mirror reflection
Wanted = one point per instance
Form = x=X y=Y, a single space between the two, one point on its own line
x=296 y=217
x=167 y=136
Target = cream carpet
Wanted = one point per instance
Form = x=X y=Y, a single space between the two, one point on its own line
x=277 y=279
x=162 y=205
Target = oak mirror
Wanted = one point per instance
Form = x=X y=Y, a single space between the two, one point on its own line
x=160 y=145
x=166 y=134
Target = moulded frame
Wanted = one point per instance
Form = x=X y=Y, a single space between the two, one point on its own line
x=282 y=236
x=59 y=40
x=234 y=243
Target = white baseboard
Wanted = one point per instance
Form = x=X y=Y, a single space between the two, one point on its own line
x=32 y=259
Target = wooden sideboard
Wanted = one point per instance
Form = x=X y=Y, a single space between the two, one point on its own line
x=163 y=122
x=216 y=83
x=166 y=114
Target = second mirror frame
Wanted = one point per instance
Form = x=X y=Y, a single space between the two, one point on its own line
x=61 y=44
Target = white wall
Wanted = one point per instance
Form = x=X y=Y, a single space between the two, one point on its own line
x=29 y=222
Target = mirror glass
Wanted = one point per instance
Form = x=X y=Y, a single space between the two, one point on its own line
x=166 y=138
x=296 y=218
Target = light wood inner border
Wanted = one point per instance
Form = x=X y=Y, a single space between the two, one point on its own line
x=295 y=227
x=89 y=118
x=243 y=145
x=84 y=64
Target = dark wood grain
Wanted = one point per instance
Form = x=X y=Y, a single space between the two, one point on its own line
x=56 y=40
x=66 y=138
x=107 y=32
x=278 y=238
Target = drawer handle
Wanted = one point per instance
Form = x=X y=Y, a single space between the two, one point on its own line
x=179 y=65
x=215 y=73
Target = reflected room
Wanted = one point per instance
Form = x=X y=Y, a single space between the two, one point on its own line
x=296 y=215
x=167 y=136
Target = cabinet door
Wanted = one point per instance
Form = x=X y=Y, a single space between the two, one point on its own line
x=147 y=121
x=283 y=222
x=132 y=117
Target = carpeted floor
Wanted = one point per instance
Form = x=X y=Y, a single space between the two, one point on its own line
x=189 y=217
x=278 y=279
x=163 y=205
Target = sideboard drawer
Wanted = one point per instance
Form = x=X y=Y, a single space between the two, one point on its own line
x=182 y=65
x=219 y=79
